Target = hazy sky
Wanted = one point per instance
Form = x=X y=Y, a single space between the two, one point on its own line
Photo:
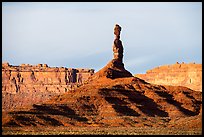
x=80 y=35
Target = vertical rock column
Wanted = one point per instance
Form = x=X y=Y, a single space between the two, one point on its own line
x=117 y=46
x=115 y=68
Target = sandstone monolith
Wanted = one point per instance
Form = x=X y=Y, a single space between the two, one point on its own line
x=115 y=68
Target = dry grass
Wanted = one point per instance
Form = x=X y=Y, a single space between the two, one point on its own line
x=100 y=131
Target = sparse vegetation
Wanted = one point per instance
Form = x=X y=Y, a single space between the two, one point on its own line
x=101 y=131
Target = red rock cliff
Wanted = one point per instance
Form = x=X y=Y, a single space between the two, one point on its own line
x=188 y=75
x=26 y=84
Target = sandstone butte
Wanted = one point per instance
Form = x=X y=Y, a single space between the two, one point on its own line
x=188 y=75
x=27 y=84
x=112 y=97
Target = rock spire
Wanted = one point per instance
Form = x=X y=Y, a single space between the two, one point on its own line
x=117 y=45
x=115 y=68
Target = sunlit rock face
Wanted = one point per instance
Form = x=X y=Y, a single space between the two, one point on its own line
x=27 y=84
x=188 y=75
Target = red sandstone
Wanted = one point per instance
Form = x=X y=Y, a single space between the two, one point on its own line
x=26 y=84
x=188 y=75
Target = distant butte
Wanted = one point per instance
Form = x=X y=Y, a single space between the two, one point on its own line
x=188 y=75
x=27 y=84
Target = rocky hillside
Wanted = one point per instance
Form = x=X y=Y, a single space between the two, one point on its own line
x=117 y=102
x=188 y=75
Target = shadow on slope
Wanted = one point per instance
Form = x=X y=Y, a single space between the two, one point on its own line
x=169 y=98
x=145 y=104
x=42 y=115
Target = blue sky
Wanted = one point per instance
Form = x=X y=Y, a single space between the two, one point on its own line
x=80 y=35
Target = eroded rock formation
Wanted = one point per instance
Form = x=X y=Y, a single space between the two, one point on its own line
x=113 y=98
x=188 y=75
x=26 y=84
x=115 y=68
x=117 y=46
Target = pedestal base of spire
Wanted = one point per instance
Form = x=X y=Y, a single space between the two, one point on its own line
x=114 y=69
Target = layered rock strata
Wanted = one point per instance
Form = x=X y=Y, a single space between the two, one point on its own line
x=121 y=102
x=26 y=84
x=188 y=75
